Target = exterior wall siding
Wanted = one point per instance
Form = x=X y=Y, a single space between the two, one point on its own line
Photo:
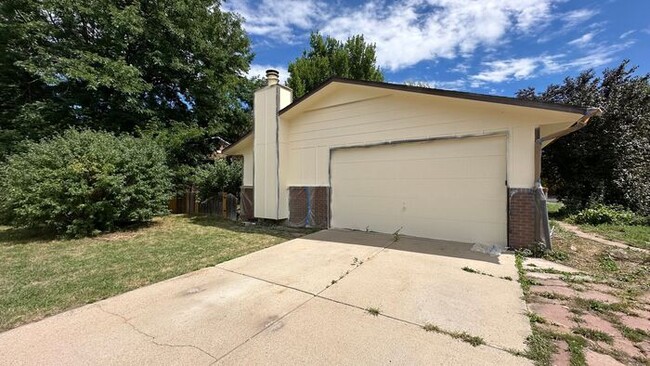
x=395 y=117
x=269 y=195
x=248 y=168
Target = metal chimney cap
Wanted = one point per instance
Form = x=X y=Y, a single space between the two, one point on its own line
x=272 y=77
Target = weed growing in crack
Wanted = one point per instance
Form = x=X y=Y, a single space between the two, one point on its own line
x=466 y=337
x=524 y=281
x=396 y=234
x=432 y=328
x=536 y=318
x=472 y=270
x=598 y=306
x=540 y=347
x=594 y=335
x=576 y=349
x=463 y=336
x=552 y=271
x=634 y=335
x=552 y=296
x=373 y=311
x=577 y=319
x=476 y=271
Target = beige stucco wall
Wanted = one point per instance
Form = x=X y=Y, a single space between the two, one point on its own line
x=349 y=115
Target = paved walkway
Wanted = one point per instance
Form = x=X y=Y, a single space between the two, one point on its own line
x=304 y=301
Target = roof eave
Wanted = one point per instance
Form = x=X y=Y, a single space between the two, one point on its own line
x=443 y=93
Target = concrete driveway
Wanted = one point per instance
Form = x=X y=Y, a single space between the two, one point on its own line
x=300 y=302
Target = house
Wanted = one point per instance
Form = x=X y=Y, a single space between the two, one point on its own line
x=394 y=158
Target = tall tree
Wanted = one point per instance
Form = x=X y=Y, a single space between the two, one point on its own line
x=119 y=65
x=327 y=57
x=607 y=161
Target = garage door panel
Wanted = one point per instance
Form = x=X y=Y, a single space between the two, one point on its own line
x=449 y=189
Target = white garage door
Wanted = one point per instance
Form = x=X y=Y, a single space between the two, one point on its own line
x=443 y=189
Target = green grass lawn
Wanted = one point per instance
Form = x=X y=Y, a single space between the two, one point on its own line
x=634 y=235
x=41 y=276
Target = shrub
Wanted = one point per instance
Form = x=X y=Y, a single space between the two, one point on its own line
x=220 y=176
x=83 y=182
x=601 y=214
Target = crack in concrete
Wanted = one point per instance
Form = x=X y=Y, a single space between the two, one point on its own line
x=313 y=296
x=151 y=337
x=262 y=330
x=318 y=295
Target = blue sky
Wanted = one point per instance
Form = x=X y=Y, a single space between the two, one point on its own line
x=484 y=46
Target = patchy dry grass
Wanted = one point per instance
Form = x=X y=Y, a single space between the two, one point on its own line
x=41 y=276
x=626 y=269
x=634 y=235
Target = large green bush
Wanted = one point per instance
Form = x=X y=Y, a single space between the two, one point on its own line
x=83 y=182
x=602 y=214
x=220 y=176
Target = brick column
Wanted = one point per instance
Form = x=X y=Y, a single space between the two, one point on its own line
x=521 y=218
x=309 y=207
x=247 y=204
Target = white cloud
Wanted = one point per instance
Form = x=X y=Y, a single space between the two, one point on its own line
x=503 y=70
x=277 y=19
x=527 y=67
x=462 y=68
x=627 y=34
x=584 y=40
x=575 y=17
x=568 y=21
x=260 y=71
x=405 y=32
x=416 y=30
x=411 y=31
x=597 y=56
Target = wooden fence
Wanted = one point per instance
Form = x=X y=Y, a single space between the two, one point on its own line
x=222 y=205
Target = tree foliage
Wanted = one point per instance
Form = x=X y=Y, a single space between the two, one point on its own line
x=84 y=182
x=119 y=66
x=608 y=161
x=327 y=57
x=220 y=176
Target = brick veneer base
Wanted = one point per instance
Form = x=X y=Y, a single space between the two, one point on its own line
x=247 y=204
x=309 y=207
x=521 y=220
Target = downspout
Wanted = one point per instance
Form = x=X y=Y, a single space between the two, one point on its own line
x=540 y=196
